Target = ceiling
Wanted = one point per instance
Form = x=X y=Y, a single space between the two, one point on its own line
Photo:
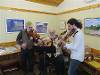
x=47 y=2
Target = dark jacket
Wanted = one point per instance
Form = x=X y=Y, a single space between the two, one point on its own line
x=23 y=37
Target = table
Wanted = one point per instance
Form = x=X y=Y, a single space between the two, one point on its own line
x=92 y=67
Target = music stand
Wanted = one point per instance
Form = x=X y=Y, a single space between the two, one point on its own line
x=44 y=50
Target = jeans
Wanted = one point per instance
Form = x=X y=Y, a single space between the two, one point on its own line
x=73 y=67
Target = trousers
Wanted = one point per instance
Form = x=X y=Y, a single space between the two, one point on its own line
x=27 y=60
x=73 y=67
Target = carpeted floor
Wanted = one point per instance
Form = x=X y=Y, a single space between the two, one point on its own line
x=20 y=72
x=37 y=73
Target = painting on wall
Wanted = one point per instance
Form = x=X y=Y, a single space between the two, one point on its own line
x=92 y=26
x=14 y=25
x=41 y=27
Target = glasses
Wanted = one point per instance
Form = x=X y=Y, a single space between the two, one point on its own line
x=30 y=27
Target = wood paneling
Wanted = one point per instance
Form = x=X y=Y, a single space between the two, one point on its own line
x=7 y=44
x=47 y=2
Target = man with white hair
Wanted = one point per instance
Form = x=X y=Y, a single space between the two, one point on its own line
x=25 y=41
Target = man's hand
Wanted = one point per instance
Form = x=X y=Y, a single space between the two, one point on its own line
x=63 y=42
x=24 y=45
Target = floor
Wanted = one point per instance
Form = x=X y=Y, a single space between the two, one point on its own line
x=20 y=72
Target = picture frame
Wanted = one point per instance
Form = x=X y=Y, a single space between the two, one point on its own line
x=92 y=26
x=14 y=25
x=41 y=27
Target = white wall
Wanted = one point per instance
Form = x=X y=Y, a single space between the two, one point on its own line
x=53 y=20
x=92 y=41
x=27 y=16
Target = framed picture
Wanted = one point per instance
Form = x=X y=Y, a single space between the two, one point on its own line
x=14 y=25
x=41 y=27
x=92 y=26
